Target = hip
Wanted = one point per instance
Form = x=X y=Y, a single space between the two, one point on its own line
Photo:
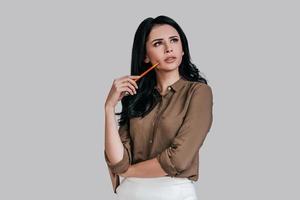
x=156 y=188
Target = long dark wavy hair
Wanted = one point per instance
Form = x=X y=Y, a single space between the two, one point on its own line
x=146 y=98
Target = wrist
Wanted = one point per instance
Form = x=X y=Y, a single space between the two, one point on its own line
x=130 y=171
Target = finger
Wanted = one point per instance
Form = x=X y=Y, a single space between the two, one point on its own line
x=130 y=76
x=134 y=77
x=129 y=84
x=131 y=87
x=127 y=91
x=123 y=78
x=133 y=82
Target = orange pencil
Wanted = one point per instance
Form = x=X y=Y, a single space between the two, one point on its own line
x=143 y=74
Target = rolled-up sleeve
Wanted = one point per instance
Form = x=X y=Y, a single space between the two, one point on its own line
x=191 y=134
x=123 y=165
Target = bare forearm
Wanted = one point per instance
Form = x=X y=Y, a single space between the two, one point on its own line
x=113 y=144
x=149 y=168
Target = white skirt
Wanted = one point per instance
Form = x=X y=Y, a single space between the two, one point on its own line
x=158 y=188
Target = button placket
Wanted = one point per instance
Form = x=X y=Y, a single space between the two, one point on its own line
x=159 y=110
x=154 y=121
x=159 y=113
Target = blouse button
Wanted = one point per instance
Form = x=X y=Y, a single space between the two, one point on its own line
x=169 y=88
x=150 y=141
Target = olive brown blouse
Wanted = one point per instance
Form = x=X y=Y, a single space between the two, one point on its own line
x=172 y=132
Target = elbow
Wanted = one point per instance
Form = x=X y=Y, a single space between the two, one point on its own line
x=180 y=164
x=121 y=166
x=172 y=164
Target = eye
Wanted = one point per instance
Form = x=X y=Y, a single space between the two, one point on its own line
x=155 y=44
x=175 y=40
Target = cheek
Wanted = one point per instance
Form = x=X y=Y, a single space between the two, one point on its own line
x=155 y=53
x=179 y=60
x=179 y=47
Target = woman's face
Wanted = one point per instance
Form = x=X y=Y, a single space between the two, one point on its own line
x=164 y=46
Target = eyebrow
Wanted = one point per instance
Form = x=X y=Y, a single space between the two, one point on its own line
x=159 y=39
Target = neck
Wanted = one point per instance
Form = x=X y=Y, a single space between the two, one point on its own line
x=165 y=80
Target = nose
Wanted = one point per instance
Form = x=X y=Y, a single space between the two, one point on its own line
x=168 y=48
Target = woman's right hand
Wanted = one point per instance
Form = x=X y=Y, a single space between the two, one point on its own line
x=119 y=87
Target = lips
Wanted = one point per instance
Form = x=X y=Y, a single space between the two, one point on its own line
x=170 y=59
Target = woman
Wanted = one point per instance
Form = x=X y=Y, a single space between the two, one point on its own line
x=164 y=120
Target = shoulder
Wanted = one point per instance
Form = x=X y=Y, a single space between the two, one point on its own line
x=200 y=97
x=200 y=89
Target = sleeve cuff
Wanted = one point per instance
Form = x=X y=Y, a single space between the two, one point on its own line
x=120 y=167
x=166 y=164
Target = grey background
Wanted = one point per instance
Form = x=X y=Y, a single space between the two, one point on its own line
x=58 y=60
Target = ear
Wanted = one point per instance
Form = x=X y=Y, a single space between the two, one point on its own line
x=147 y=60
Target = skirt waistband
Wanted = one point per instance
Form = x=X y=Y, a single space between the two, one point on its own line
x=164 y=179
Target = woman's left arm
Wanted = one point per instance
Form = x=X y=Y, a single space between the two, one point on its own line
x=192 y=133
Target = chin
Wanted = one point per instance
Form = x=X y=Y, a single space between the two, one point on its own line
x=169 y=67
